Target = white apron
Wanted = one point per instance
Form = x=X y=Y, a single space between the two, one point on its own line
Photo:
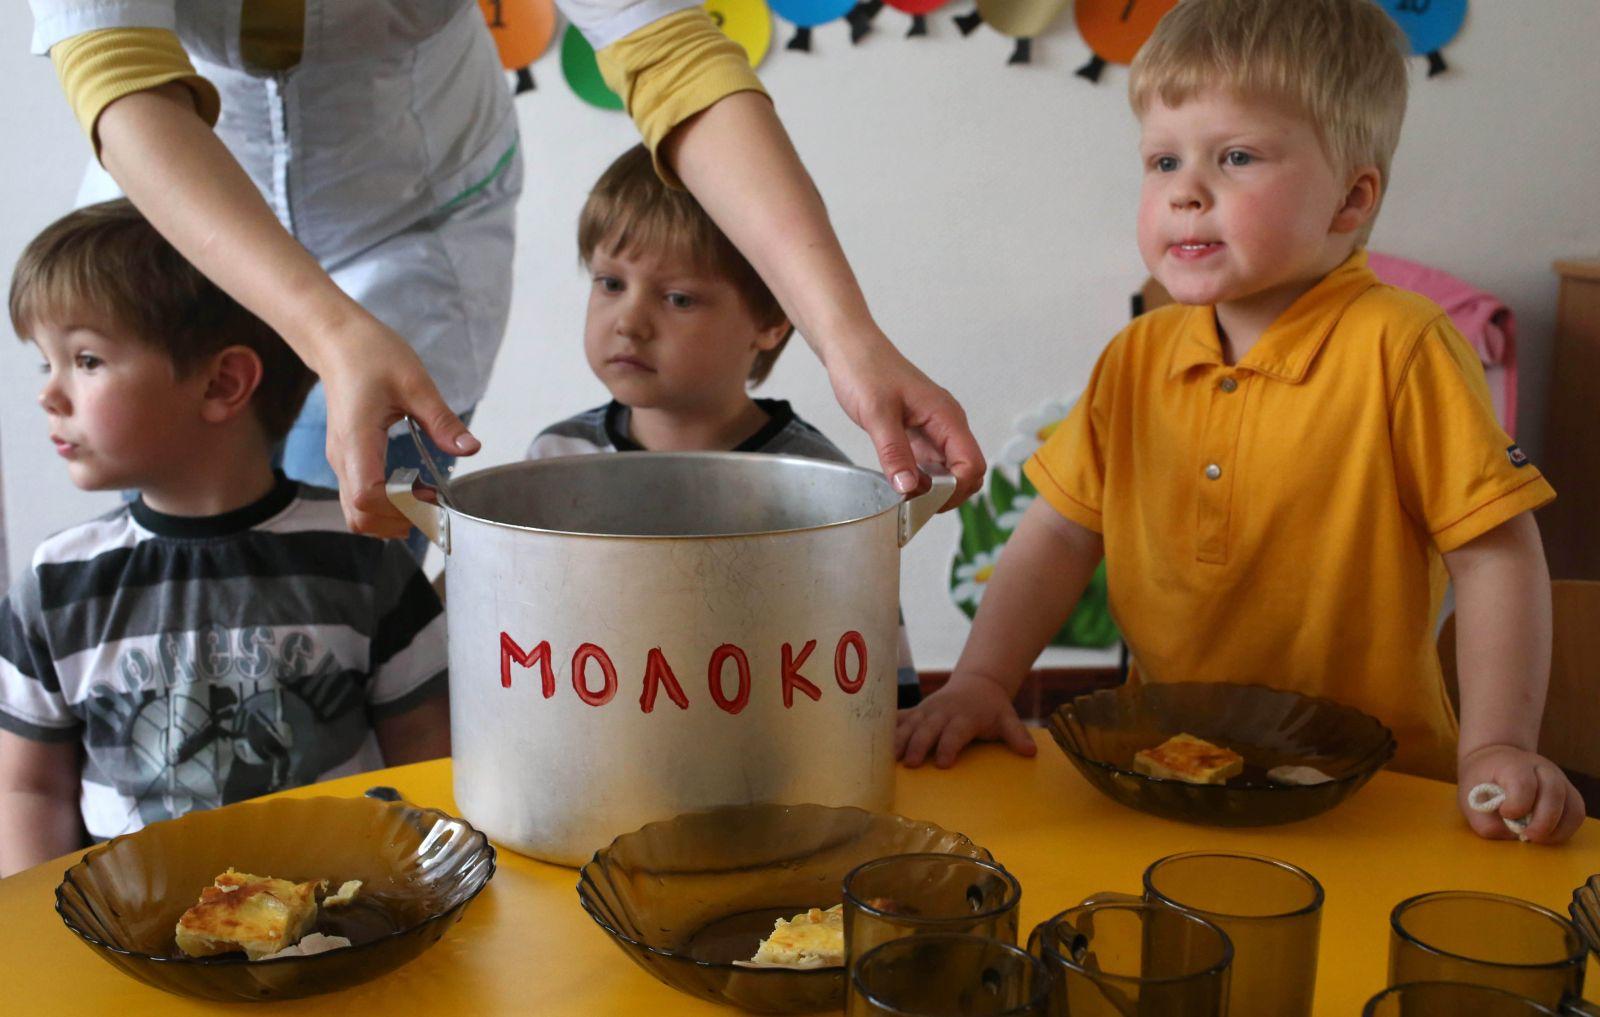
x=389 y=151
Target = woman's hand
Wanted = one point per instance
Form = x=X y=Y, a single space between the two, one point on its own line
x=736 y=159
x=189 y=186
x=372 y=381
x=910 y=419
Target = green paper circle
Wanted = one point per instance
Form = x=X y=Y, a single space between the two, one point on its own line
x=583 y=74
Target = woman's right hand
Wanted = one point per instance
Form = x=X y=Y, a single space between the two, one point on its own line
x=373 y=380
x=970 y=706
x=173 y=167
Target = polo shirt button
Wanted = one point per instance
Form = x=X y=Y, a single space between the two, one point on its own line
x=1213 y=471
x=1228 y=384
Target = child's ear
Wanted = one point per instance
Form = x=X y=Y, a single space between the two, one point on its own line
x=1360 y=201
x=231 y=379
x=772 y=335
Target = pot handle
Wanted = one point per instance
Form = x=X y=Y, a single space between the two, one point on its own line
x=429 y=518
x=914 y=512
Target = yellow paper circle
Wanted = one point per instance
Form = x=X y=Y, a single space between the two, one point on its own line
x=746 y=22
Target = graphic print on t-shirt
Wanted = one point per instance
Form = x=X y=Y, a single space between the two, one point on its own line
x=220 y=715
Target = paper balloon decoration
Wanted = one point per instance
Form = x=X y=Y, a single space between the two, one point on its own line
x=583 y=73
x=746 y=22
x=1115 y=29
x=1020 y=19
x=808 y=14
x=1429 y=26
x=522 y=30
x=860 y=17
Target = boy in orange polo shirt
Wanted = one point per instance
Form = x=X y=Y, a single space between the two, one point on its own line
x=1281 y=469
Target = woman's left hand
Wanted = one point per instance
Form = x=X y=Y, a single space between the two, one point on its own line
x=910 y=419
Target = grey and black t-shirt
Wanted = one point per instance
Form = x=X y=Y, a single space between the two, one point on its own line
x=202 y=661
x=605 y=429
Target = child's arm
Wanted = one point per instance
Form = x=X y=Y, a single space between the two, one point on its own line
x=1041 y=574
x=1503 y=652
x=39 y=817
x=421 y=733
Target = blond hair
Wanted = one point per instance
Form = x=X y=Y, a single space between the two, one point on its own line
x=107 y=259
x=631 y=210
x=1339 y=62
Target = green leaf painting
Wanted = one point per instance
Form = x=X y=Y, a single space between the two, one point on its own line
x=990 y=517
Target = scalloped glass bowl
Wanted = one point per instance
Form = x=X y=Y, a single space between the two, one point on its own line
x=688 y=898
x=1585 y=911
x=419 y=869
x=1101 y=731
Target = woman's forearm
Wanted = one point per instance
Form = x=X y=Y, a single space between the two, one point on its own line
x=185 y=181
x=1043 y=571
x=738 y=161
x=1502 y=590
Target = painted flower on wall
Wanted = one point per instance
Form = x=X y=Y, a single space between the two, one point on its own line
x=990 y=517
x=1034 y=429
x=974 y=576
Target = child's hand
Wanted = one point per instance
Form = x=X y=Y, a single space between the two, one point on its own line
x=969 y=707
x=1536 y=790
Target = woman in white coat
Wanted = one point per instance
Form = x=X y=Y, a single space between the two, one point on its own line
x=348 y=171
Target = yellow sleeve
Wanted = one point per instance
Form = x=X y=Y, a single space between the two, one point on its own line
x=98 y=67
x=1069 y=469
x=1459 y=474
x=671 y=69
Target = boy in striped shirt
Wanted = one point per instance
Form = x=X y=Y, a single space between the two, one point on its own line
x=220 y=636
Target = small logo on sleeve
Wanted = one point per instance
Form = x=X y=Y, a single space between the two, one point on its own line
x=1518 y=457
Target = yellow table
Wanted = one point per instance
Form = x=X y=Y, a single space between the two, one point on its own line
x=525 y=947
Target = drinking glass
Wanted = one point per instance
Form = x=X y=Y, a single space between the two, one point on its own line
x=1125 y=958
x=1269 y=909
x=942 y=974
x=1489 y=939
x=915 y=894
x=1451 y=999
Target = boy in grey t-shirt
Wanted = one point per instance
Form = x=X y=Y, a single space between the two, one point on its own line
x=679 y=328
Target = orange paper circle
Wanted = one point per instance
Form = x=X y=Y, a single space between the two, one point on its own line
x=1115 y=29
x=522 y=29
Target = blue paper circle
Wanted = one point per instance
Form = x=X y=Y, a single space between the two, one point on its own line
x=810 y=13
x=1428 y=24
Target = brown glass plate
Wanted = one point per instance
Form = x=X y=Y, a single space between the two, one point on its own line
x=1100 y=733
x=689 y=898
x=419 y=869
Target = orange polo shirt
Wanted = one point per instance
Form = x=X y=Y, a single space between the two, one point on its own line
x=1282 y=520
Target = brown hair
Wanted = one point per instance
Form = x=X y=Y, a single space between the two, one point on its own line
x=108 y=259
x=1341 y=63
x=631 y=209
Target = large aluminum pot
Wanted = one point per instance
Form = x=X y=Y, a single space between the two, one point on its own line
x=637 y=635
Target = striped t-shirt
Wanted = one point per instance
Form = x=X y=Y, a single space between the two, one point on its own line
x=605 y=429
x=202 y=661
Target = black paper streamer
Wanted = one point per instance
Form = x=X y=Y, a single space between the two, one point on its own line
x=860 y=18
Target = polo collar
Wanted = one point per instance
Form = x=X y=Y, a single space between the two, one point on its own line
x=1289 y=347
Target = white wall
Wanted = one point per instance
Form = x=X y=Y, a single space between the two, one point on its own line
x=988 y=210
